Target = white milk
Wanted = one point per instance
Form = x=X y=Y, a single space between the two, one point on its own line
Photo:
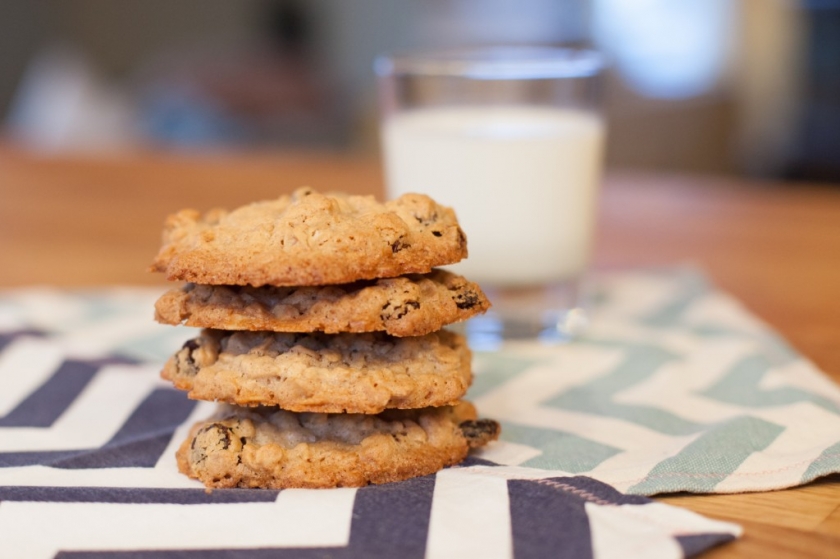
x=523 y=182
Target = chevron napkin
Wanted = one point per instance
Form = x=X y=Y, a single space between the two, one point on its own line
x=675 y=387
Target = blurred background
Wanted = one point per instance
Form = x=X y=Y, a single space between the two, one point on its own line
x=738 y=87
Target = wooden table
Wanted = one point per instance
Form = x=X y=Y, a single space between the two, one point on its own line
x=83 y=221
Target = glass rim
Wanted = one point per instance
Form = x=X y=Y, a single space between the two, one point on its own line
x=494 y=63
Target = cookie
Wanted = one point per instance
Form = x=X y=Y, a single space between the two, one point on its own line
x=411 y=305
x=310 y=239
x=276 y=449
x=352 y=373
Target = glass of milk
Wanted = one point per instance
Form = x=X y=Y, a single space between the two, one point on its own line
x=512 y=138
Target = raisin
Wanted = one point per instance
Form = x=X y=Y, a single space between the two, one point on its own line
x=437 y=233
x=399 y=245
x=427 y=220
x=479 y=432
x=402 y=310
x=188 y=365
x=466 y=300
x=224 y=433
x=398 y=311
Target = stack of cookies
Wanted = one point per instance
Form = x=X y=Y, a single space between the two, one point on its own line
x=323 y=339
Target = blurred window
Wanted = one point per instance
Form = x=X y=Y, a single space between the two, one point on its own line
x=664 y=48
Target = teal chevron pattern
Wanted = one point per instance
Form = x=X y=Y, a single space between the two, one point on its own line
x=742 y=387
x=710 y=458
x=675 y=387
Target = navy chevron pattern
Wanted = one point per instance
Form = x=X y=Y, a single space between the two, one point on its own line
x=139 y=442
x=53 y=397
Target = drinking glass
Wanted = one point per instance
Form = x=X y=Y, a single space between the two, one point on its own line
x=512 y=138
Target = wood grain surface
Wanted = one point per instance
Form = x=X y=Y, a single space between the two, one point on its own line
x=76 y=221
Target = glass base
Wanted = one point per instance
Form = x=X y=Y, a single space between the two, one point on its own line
x=552 y=314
